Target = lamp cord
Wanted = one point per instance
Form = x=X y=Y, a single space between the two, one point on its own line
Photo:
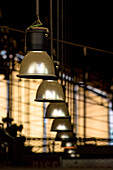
x=57 y=30
x=37 y=23
x=37 y=8
x=62 y=41
x=51 y=28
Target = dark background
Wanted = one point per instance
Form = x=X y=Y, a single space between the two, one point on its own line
x=87 y=22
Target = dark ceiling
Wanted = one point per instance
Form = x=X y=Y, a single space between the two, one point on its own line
x=89 y=24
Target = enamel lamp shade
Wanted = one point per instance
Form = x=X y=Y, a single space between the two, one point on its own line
x=50 y=91
x=64 y=136
x=37 y=64
x=57 y=110
x=61 y=125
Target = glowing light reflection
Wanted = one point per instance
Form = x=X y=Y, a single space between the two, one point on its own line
x=57 y=112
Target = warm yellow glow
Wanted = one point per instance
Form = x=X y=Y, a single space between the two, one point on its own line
x=64 y=136
x=72 y=155
x=57 y=112
x=49 y=95
x=25 y=110
x=2 y=76
x=31 y=114
x=68 y=144
x=96 y=116
x=3 y=99
x=61 y=127
x=70 y=151
x=39 y=68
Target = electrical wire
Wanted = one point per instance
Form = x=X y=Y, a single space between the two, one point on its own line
x=12 y=29
x=62 y=41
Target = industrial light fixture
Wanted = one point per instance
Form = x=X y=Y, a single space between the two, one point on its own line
x=50 y=91
x=69 y=144
x=57 y=110
x=61 y=125
x=70 y=151
x=37 y=64
x=64 y=136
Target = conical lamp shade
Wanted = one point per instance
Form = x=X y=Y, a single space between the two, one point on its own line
x=37 y=65
x=64 y=136
x=61 y=125
x=57 y=110
x=50 y=91
x=70 y=151
x=68 y=144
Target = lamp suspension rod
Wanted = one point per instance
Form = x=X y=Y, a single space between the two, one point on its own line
x=51 y=28
x=37 y=8
x=62 y=37
x=57 y=30
x=85 y=87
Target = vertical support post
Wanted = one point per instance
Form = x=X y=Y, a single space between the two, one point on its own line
x=28 y=109
x=51 y=27
x=9 y=94
x=108 y=121
x=19 y=101
x=57 y=30
x=44 y=127
x=8 y=100
x=62 y=36
x=75 y=88
x=84 y=80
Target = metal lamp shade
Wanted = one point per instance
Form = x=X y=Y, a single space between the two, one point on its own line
x=57 y=110
x=37 y=65
x=61 y=125
x=50 y=91
x=70 y=151
x=64 y=136
x=69 y=143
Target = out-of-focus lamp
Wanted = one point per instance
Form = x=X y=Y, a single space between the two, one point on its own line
x=37 y=64
x=2 y=76
x=50 y=91
x=71 y=153
x=57 y=110
x=64 y=136
x=61 y=125
x=68 y=144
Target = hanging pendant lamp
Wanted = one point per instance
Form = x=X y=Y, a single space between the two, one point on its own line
x=37 y=64
x=61 y=125
x=57 y=110
x=64 y=136
x=50 y=91
x=71 y=152
x=68 y=144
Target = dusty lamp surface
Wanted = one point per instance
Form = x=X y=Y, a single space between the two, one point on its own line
x=57 y=110
x=64 y=136
x=61 y=125
x=37 y=64
x=50 y=91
